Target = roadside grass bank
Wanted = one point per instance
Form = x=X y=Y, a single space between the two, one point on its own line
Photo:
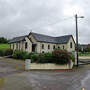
x=4 y=46
x=84 y=53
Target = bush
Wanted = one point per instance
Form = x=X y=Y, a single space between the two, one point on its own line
x=3 y=40
x=72 y=56
x=6 y=52
x=61 y=57
x=34 y=57
x=45 y=58
x=1 y=52
x=20 y=55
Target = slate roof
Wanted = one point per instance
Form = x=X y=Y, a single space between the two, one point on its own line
x=50 y=39
x=44 y=38
x=17 y=39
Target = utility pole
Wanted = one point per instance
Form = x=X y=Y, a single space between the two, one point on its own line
x=76 y=20
x=76 y=39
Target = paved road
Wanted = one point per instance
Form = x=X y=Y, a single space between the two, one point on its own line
x=13 y=77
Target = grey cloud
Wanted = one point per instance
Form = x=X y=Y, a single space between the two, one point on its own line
x=18 y=17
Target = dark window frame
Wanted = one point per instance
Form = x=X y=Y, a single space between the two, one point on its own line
x=70 y=44
x=42 y=46
x=48 y=46
x=26 y=45
x=54 y=47
x=63 y=47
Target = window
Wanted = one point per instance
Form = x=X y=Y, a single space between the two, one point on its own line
x=63 y=47
x=42 y=51
x=58 y=47
x=48 y=46
x=13 y=45
x=19 y=46
x=10 y=46
x=26 y=45
x=54 y=47
x=42 y=46
x=70 y=44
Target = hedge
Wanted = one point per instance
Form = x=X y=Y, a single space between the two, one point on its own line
x=57 y=56
x=6 y=52
x=20 y=55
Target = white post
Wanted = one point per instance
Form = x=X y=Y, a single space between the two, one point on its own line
x=27 y=64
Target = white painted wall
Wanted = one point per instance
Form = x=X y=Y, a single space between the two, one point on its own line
x=73 y=45
x=29 y=44
x=39 y=45
x=50 y=66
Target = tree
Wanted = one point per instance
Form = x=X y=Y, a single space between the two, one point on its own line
x=3 y=40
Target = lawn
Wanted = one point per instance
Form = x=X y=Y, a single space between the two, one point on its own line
x=84 y=54
x=4 y=46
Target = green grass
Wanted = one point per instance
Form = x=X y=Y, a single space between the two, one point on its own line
x=4 y=46
x=84 y=54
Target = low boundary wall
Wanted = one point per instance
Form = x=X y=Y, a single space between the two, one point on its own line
x=49 y=66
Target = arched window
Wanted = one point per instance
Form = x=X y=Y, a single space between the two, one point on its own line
x=48 y=46
x=26 y=45
x=42 y=46
x=63 y=47
x=70 y=44
x=54 y=47
x=42 y=51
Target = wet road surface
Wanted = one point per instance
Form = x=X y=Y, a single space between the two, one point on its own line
x=13 y=77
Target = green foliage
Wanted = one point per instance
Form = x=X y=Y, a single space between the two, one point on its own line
x=3 y=40
x=87 y=49
x=57 y=56
x=61 y=57
x=1 y=52
x=72 y=56
x=45 y=58
x=20 y=55
x=6 y=52
x=34 y=57
x=84 y=53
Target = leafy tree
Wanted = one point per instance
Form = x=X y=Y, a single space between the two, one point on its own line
x=3 y=40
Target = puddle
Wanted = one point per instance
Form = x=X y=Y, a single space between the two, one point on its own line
x=86 y=82
x=1 y=82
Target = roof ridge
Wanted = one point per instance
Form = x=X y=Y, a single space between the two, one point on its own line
x=64 y=35
x=42 y=34
x=20 y=36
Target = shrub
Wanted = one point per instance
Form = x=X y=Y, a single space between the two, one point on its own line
x=20 y=55
x=34 y=57
x=61 y=57
x=45 y=58
x=72 y=56
x=6 y=52
x=1 y=52
x=3 y=40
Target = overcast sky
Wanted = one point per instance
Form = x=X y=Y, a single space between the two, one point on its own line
x=50 y=17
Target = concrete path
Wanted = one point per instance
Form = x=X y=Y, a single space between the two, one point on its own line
x=13 y=77
x=84 y=57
